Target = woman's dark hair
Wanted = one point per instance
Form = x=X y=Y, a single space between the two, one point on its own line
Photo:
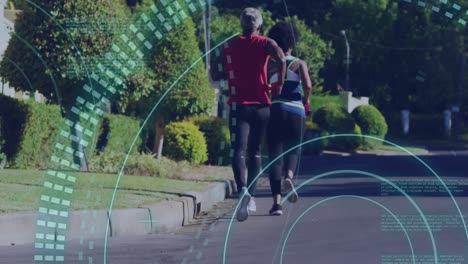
x=285 y=34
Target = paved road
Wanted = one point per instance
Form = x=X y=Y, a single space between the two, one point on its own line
x=354 y=227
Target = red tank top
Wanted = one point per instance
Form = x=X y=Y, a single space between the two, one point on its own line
x=245 y=63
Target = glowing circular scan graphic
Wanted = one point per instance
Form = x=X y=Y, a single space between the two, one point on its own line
x=138 y=39
x=343 y=197
x=395 y=186
x=136 y=42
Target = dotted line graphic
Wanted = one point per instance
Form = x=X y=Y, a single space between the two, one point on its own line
x=107 y=80
x=453 y=11
x=410 y=243
x=192 y=251
x=123 y=59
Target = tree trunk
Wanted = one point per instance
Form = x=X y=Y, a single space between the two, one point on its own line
x=159 y=137
x=81 y=161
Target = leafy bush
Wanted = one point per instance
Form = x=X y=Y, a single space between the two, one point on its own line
x=317 y=102
x=336 y=120
x=110 y=163
x=3 y=161
x=317 y=146
x=118 y=133
x=29 y=130
x=183 y=141
x=217 y=138
x=137 y=164
x=372 y=123
x=346 y=143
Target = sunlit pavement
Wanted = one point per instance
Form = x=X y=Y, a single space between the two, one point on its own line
x=348 y=216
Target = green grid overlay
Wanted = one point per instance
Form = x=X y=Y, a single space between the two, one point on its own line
x=55 y=200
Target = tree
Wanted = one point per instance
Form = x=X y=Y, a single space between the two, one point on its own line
x=192 y=95
x=88 y=30
x=313 y=50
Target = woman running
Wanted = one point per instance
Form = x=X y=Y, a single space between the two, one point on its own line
x=245 y=60
x=287 y=117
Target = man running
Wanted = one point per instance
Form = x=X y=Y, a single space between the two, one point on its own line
x=245 y=60
x=288 y=111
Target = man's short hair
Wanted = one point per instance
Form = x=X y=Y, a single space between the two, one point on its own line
x=251 y=19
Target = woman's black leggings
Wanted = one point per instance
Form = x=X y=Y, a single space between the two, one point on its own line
x=285 y=130
x=247 y=125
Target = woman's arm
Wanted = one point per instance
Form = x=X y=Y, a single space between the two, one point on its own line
x=306 y=82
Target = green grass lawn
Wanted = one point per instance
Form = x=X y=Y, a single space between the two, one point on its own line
x=414 y=150
x=20 y=190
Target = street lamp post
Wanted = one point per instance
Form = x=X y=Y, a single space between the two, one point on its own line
x=343 y=32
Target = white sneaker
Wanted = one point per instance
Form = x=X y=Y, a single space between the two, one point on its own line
x=252 y=207
x=288 y=187
x=243 y=212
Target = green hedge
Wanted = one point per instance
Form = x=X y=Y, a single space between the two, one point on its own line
x=336 y=120
x=346 y=143
x=372 y=123
x=316 y=146
x=184 y=141
x=117 y=133
x=216 y=133
x=29 y=130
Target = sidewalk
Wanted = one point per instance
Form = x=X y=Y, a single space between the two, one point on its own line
x=19 y=228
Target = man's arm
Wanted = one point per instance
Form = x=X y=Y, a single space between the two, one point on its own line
x=278 y=55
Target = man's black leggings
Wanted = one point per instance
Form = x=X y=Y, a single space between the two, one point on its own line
x=247 y=124
x=285 y=131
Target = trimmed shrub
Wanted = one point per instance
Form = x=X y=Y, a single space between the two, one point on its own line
x=29 y=130
x=317 y=146
x=137 y=164
x=183 y=141
x=117 y=135
x=317 y=102
x=346 y=143
x=217 y=138
x=148 y=165
x=336 y=120
x=372 y=123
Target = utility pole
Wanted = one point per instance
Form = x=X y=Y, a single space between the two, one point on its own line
x=343 y=32
x=207 y=29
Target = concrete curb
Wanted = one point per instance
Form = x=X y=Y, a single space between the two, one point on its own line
x=19 y=228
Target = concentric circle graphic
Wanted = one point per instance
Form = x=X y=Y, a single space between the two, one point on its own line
x=343 y=197
x=80 y=129
x=433 y=241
